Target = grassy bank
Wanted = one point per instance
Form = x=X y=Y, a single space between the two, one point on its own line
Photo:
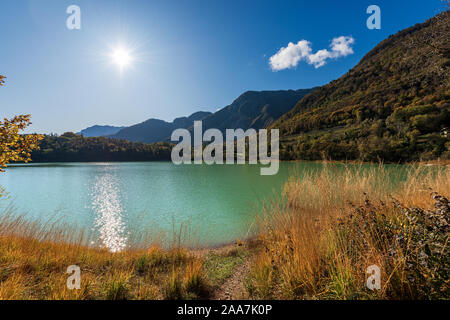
x=36 y=270
x=34 y=258
x=316 y=242
x=337 y=222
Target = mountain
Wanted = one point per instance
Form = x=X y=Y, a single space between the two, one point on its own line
x=155 y=130
x=393 y=105
x=254 y=109
x=99 y=131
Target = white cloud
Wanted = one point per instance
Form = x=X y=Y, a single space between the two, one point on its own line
x=342 y=46
x=319 y=58
x=290 y=57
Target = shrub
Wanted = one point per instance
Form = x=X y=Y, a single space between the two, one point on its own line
x=174 y=286
x=117 y=288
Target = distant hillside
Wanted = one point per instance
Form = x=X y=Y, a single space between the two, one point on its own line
x=70 y=147
x=255 y=109
x=154 y=130
x=394 y=105
x=99 y=131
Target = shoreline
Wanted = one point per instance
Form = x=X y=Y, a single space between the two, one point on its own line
x=437 y=162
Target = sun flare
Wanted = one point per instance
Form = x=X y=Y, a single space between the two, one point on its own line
x=121 y=57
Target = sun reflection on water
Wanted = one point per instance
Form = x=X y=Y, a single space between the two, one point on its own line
x=108 y=208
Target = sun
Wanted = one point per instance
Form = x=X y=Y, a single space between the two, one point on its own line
x=121 y=57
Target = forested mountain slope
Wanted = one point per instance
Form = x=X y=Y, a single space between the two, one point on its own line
x=70 y=147
x=394 y=105
x=254 y=109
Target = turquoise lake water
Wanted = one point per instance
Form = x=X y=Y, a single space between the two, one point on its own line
x=117 y=202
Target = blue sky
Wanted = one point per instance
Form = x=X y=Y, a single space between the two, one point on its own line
x=188 y=55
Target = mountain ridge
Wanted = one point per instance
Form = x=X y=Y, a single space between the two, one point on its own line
x=99 y=131
x=252 y=109
x=156 y=130
x=391 y=106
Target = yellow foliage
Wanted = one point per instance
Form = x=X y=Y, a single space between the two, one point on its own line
x=13 y=145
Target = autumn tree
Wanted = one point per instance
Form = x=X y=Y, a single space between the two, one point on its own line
x=13 y=145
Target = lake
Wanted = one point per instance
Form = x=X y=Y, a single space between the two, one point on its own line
x=120 y=202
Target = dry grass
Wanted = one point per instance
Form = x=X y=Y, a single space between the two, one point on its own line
x=34 y=259
x=333 y=223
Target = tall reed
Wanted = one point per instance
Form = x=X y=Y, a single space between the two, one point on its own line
x=331 y=224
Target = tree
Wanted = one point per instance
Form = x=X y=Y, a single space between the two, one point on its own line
x=13 y=145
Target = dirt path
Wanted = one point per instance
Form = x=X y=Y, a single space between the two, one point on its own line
x=234 y=287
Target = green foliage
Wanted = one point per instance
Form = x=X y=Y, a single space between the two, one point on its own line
x=174 y=287
x=71 y=147
x=423 y=240
x=220 y=266
x=143 y=263
x=116 y=289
